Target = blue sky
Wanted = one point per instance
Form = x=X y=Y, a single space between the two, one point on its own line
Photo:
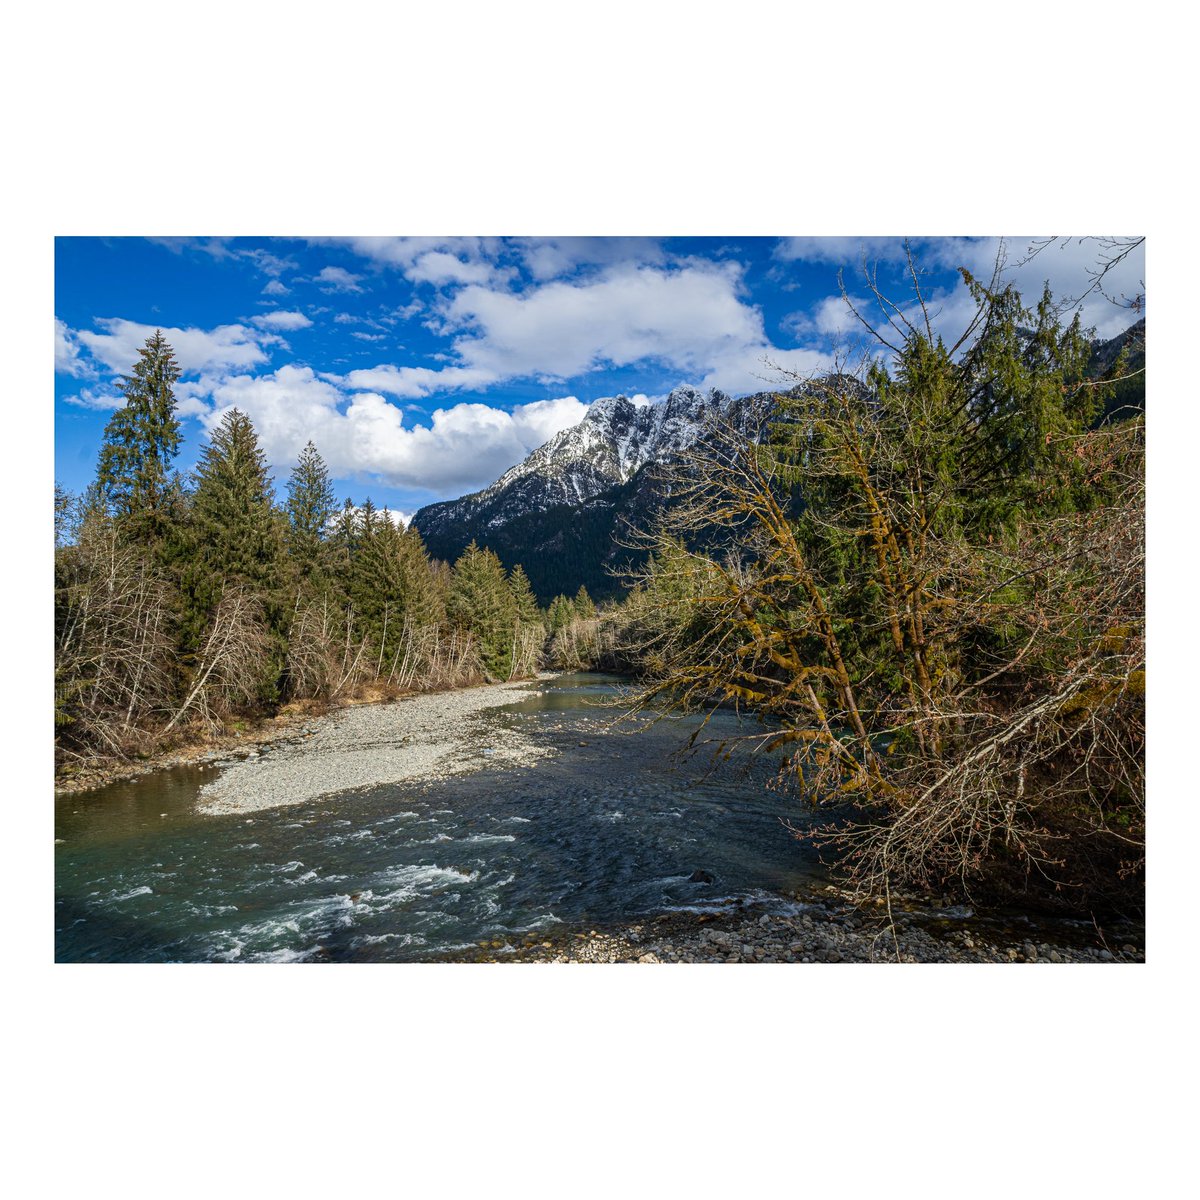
x=422 y=367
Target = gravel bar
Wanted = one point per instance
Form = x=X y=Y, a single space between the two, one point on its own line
x=431 y=736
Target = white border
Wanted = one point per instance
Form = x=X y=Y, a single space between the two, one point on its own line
x=616 y=119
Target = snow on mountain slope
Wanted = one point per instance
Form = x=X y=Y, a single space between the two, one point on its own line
x=606 y=448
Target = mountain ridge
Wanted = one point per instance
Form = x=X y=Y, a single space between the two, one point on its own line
x=558 y=511
x=561 y=510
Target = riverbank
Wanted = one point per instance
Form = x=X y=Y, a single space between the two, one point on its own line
x=293 y=727
x=432 y=736
x=829 y=930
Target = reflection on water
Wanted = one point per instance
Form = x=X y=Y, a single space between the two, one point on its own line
x=615 y=825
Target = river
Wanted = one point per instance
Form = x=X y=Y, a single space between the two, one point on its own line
x=612 y=826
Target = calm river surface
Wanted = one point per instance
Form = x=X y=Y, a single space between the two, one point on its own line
x=612 y=827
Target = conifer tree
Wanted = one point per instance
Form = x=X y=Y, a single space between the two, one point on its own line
x=480 y=601
x=562 y=612
x=311 y=504
x=424 y=598
x=368 y=518
x=343 y=542
x=140 y=441
x=583 y=605
x=392 y=585
x=237 y=538
x=527 y=606
x=235 y=522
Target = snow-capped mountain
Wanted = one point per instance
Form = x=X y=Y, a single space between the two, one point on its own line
x=557 y=511
x=608 y=447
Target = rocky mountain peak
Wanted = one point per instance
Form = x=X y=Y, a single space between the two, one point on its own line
x=558 y=513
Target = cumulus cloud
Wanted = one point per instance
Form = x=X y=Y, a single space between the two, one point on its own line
x=282 y=320
x=464 y=260
x=400 y=519
x=337 y=279
x=275 y=288
x=97 y=399
x=1067 y=265
x=270 y=264
x=561 y=329
x=438 y=261
x=548 y=258
x=196 y=350
x=830 y=317
x=416 y=382
x=691 y=319
x=763 y=368
x=364 y=435
x=440 y=266
x=67 y=360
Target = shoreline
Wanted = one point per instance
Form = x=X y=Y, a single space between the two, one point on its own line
x=294 y=758
x=817 y=928
x=286 y=728
x=425 y=737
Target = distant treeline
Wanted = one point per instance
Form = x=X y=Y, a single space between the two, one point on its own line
x=185 y=602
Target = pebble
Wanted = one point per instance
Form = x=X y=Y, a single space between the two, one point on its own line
x=430 y=736
x=820 y=935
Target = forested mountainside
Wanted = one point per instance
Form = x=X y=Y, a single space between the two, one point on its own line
x=565 y=511
x=562 y=511
x=1128 y=394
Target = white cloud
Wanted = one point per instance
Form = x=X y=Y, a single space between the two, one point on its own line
x=215 y=247
x=691 y=320
x=400 y=519
x=364 y=435
x=415 y=382
x=275 y=288
x=337 y=279
x=196 y=350
x=463 y=260
x=97 y=399
x=547 y=258
x=270 y=264
x=410 y=310
x=840 y=251
x=67 y=360
x=191 y=396
x=538 y=421
x=686 y=318
x=440 y=266
x=830 y=317
x=439 y=261
x=1066 y=265
x=282 y=320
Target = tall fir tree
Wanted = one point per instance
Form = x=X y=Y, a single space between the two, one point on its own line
x=391 y=584
x=481 y=601
x=236 y=536
x=561 y=613
x=583 y=604
x=528 y=611
x=311 y=504
x=235 y=522
x=140 y=441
